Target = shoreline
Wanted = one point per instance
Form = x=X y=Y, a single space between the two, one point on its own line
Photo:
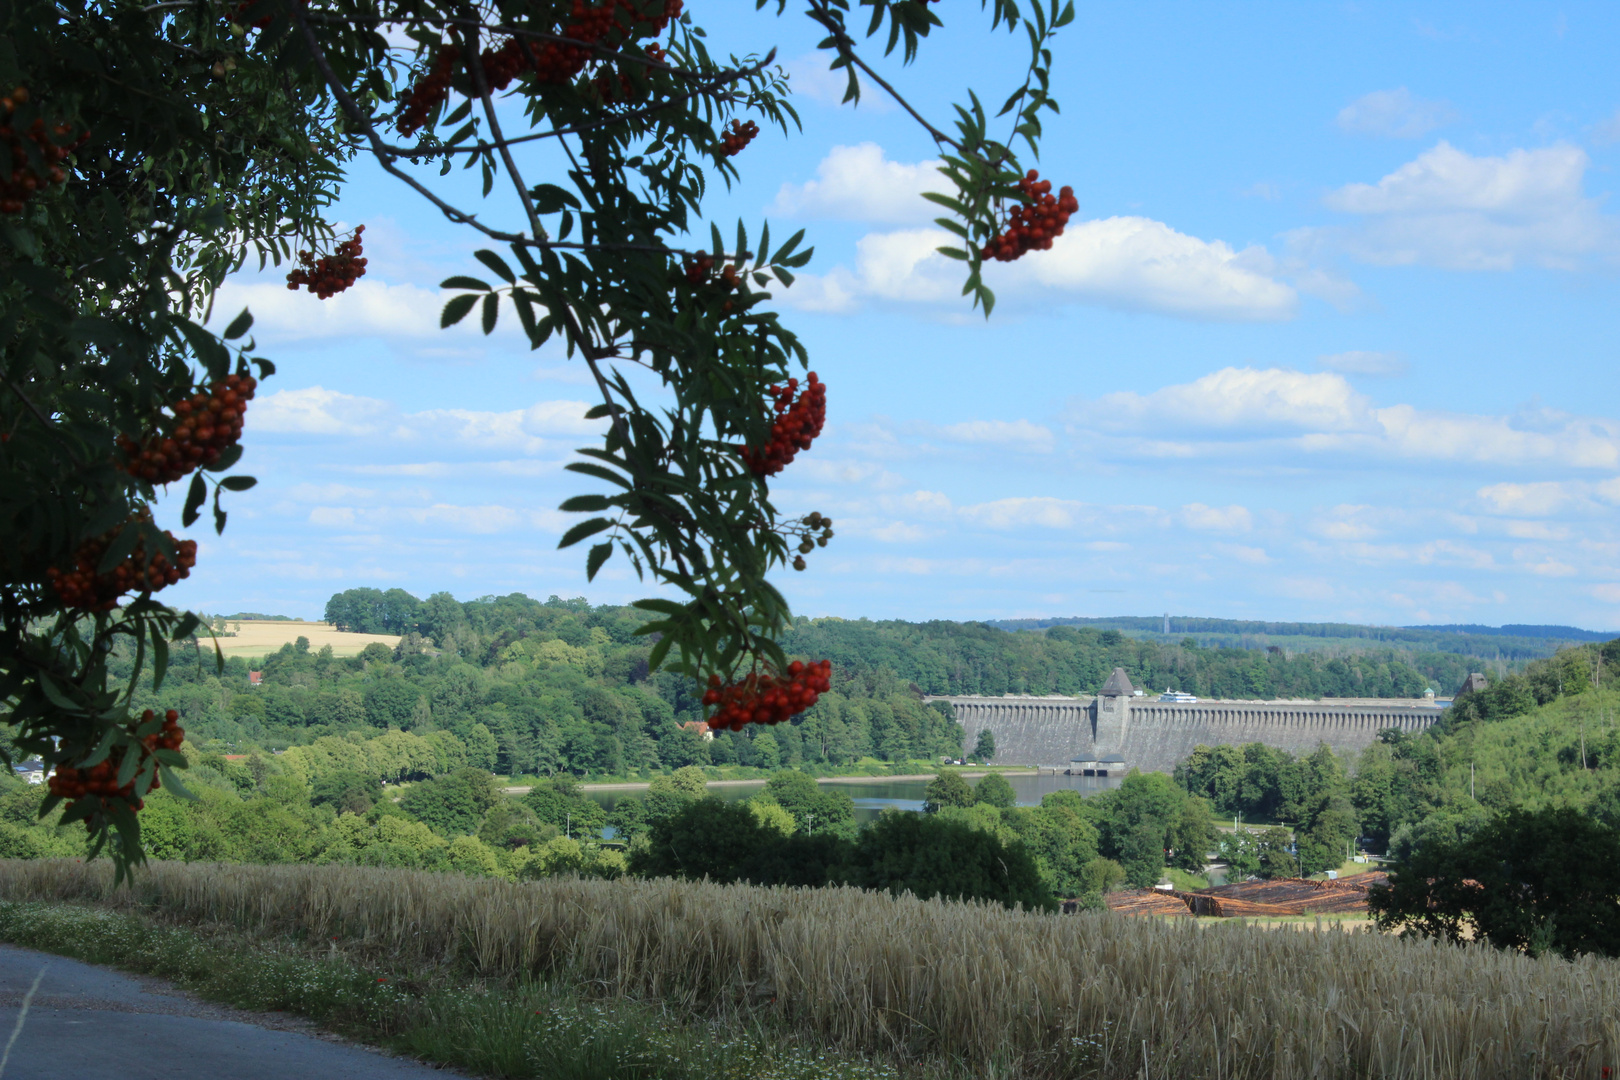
x=644 y=785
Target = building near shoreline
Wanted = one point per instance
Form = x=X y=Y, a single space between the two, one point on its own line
x=1153 y=734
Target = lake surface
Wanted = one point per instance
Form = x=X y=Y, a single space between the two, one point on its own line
x=874 y=796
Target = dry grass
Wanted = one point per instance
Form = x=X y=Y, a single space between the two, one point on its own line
x=262 y=637
x=1004 y=993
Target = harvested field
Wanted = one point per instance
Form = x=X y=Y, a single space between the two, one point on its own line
x=1002 y=993
x=262 y=637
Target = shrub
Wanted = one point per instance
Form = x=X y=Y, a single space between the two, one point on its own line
x=726 y=842
x=930 y=857
x=1538 y=881
x=994 y=790
x=947 y=789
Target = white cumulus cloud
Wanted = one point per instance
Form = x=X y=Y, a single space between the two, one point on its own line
x=368 y=308
x=1139 y=263
x=1395 y=114
x=1121 y=262
x=1451 y=209
x=1322 y=414
x=858 y=183
x=316 y=410
x=1547 y=497
x=1241 y=401
x=1534 y=500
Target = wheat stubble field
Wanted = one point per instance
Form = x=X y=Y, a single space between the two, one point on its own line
x=1004 y=992
x=260 y=637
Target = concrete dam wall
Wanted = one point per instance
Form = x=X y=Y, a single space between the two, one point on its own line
x=1154 y=735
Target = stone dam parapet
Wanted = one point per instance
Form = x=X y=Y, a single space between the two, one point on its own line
x=1154 y=735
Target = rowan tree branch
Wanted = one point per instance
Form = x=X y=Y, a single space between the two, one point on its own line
x=734 y=75
x=846 y=49
x=45 y=422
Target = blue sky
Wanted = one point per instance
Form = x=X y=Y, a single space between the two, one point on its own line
x=1333 y=336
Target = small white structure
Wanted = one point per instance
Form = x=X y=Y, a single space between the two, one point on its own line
x=32 y=771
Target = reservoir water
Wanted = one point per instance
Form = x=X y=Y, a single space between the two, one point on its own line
x=874 y=796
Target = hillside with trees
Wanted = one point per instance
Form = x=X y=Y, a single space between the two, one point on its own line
x=552 y=687
x=1546 y=737
x=1507 y=646
x=977 y=658
x=563 y=686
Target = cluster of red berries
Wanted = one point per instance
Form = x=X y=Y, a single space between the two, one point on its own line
x=83 y=587
x=425 y=95
x=615 y=84
x=737 y=137
x=554 y=63
x=202 y=427
x=504 y=64
x=766 y=697
x=798 y=422
x=1033 y=225
x=330 y=274
x=23 y=182
x=699 y=269
x=558 y=62
x=101 y=779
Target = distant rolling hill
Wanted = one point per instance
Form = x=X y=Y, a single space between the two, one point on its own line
x=1511 y=644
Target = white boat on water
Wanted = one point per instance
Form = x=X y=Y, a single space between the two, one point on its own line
x=1178 y=697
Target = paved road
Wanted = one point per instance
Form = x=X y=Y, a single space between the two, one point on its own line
x=87 y=1022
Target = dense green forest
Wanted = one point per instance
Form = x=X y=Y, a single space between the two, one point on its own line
x=562 y=686
x=1544 y=737
x=976 y=658
x=553 y=687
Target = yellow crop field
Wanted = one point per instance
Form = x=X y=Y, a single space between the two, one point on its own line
x=260 y=637
x=1001 y=993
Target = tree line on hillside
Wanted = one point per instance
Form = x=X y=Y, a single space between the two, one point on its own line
x=558 y=686
x=1546 y=737
x=562 y=686
x=1514 y=642
x=941 y=657
x=975 y=658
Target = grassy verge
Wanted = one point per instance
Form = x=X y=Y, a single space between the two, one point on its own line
x=531 y=1029
x=1184 y=881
